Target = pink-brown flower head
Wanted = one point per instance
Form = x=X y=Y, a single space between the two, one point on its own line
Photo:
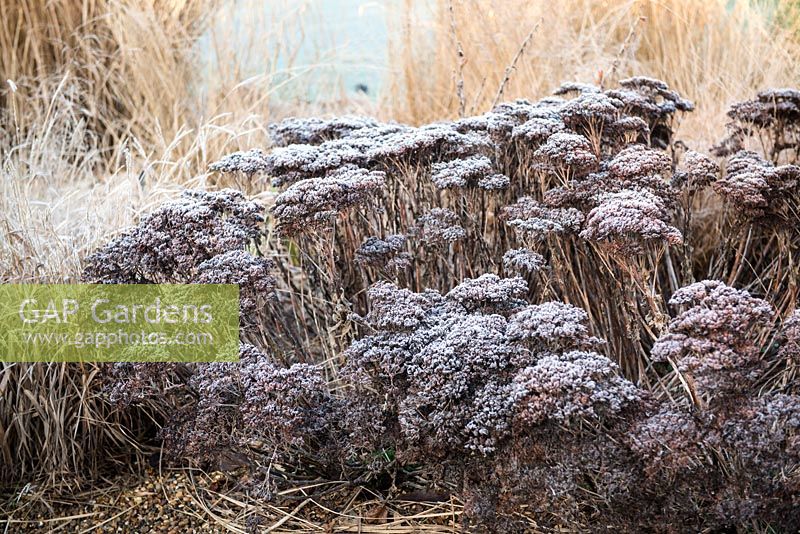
x=439 y=227
x=388 y=253
x=569 y=152
x=314 y=130
x=315 y=203
x=523 y=261
x=488 y=291
x=591 y=111
x=169 y=244
x=472 y=171
x=534 y=220
x=716 y=339
x=696 y=172
x=569 y=386
x=627 y=220
x=247 y=162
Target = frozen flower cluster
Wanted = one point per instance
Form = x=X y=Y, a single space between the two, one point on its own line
x=716 y=339
x=523 y=261
x=171 y=243
x=488 y=291
x=315 y=130
x=772 y=118
x=473 y=171
x=537 y=130
x=247 y=162
x=670 y=443
x=551 y=326
x=626 y=220
x=573 y=384
x=388 y=253
x=315 y=203
x=462 y=373
x=251 y=273
x=758 y=190
x=439 y=227
x=697 y=171
x=568 y=152
x=289 y=406
x=537 y=221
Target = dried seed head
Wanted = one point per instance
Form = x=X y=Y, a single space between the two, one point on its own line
x=315 y=203
x=576 y=87
x=625 y=221
x=169 y=244
x=488 y=291
x=247 y=162
x=716 y=338
x=467 y=172
x=698 y=171
x=568 y=150
x=759 y=191
x=536 y=221
x=313 y=130
x=523 y=261
x=388 y=253
x=252 y=274
x=439 y=227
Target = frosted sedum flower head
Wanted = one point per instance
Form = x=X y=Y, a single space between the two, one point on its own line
x=314 y=130
x=252 y=274
x=316 y=202
x=551 y=325
x=538 y=130
x=523 y=261
x=759 y=191
x=576 y=87
x=388 y=253
x=532 y=219
x=575 y=384
x=716 y=338
x=287 y=405
x=697 y=171
x=568 y=151
x=439 y=227
x=639 y=160
x=627 y=220
x=462 y=374
x=591 y=109
x=247 y=162
x=473 y=171
x=394 y=308
x=169 y=244
x=488 y=291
